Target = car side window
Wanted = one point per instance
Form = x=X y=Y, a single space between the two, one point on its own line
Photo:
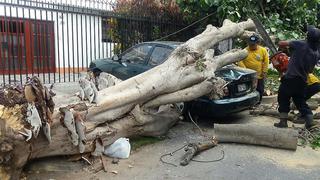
x=137 y=55
x=159 y=55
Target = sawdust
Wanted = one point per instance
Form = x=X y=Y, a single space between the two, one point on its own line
x=12 y=116
x=3 y=174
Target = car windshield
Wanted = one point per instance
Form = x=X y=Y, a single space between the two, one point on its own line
x=159 y=55
x=137 y=54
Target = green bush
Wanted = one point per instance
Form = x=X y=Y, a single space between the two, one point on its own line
x=316 y=72
x=272 y=72
x=284 y=19
x=316 y=142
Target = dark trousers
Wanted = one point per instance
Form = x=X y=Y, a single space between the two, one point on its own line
x=312 y=90
x=260 y=88
x=293 y=88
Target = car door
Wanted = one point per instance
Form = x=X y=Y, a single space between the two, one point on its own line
x=159 y=54
x=134 y=61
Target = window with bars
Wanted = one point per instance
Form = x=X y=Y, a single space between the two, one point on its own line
x=26 y=46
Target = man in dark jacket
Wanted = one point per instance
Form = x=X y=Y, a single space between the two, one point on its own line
x=304 y=57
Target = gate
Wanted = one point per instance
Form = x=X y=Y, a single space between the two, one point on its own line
x=57 y=39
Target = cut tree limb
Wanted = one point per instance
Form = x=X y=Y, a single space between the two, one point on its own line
x=193 y=149
x=284 y=138
x=188 y=94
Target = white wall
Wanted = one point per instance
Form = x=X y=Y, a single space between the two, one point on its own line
x=72 y=33
x=94 y=4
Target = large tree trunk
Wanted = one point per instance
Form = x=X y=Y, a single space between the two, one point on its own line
x=141 y=105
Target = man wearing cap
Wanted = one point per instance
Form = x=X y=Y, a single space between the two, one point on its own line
x=258 y=60
x=304 y=57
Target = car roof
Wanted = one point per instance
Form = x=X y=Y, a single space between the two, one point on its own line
x=173 y=44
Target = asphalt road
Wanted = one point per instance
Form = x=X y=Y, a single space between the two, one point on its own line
x=240 y=161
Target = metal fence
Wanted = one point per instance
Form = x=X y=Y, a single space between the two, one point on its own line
x=55 y=40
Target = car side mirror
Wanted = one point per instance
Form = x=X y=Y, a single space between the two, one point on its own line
x=115 y=58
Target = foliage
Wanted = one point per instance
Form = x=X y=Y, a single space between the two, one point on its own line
x=316 y=142
x=272 y=72
x=147 y=8
x=143 y=20
x=284 y=19
x=272 y=84
x=140 y=141
x=316 y=72
x=200 y=66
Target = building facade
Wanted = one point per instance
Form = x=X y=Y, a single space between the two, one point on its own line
x=51 y=36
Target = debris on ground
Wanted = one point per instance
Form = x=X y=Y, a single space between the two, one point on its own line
x=119 y=149
x=310 y=137
x=306 y=137
x=114 y=172
x=194 y=148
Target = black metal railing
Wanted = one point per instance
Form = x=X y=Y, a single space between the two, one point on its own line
x=57 y=41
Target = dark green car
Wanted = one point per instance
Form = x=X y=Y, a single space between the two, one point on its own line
x=240 y=93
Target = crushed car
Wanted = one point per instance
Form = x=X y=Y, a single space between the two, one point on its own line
x=239 y=95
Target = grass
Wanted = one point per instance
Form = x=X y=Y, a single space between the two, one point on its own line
x=140 y=141
x=272 y=83
x=316 y=142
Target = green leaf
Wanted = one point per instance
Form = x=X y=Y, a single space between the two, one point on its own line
x=281 y=36
x=295 y=35
x=238 y=14
x=210 y=2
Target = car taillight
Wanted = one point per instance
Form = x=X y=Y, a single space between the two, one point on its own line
x=254 y=83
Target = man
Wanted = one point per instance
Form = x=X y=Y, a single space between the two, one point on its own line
x=313 y=86
x=258 y=60
x=280 y=63
x=303 y=59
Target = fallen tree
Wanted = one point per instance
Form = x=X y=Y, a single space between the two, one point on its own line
x=142 y=105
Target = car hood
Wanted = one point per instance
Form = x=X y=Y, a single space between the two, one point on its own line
x=99 y=62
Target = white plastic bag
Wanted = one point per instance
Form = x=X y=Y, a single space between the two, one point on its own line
x=119 y=149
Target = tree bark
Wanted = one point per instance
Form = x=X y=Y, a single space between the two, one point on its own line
x=272 y=112
x=193 y=149
x=257 y=135
x=140 y=105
